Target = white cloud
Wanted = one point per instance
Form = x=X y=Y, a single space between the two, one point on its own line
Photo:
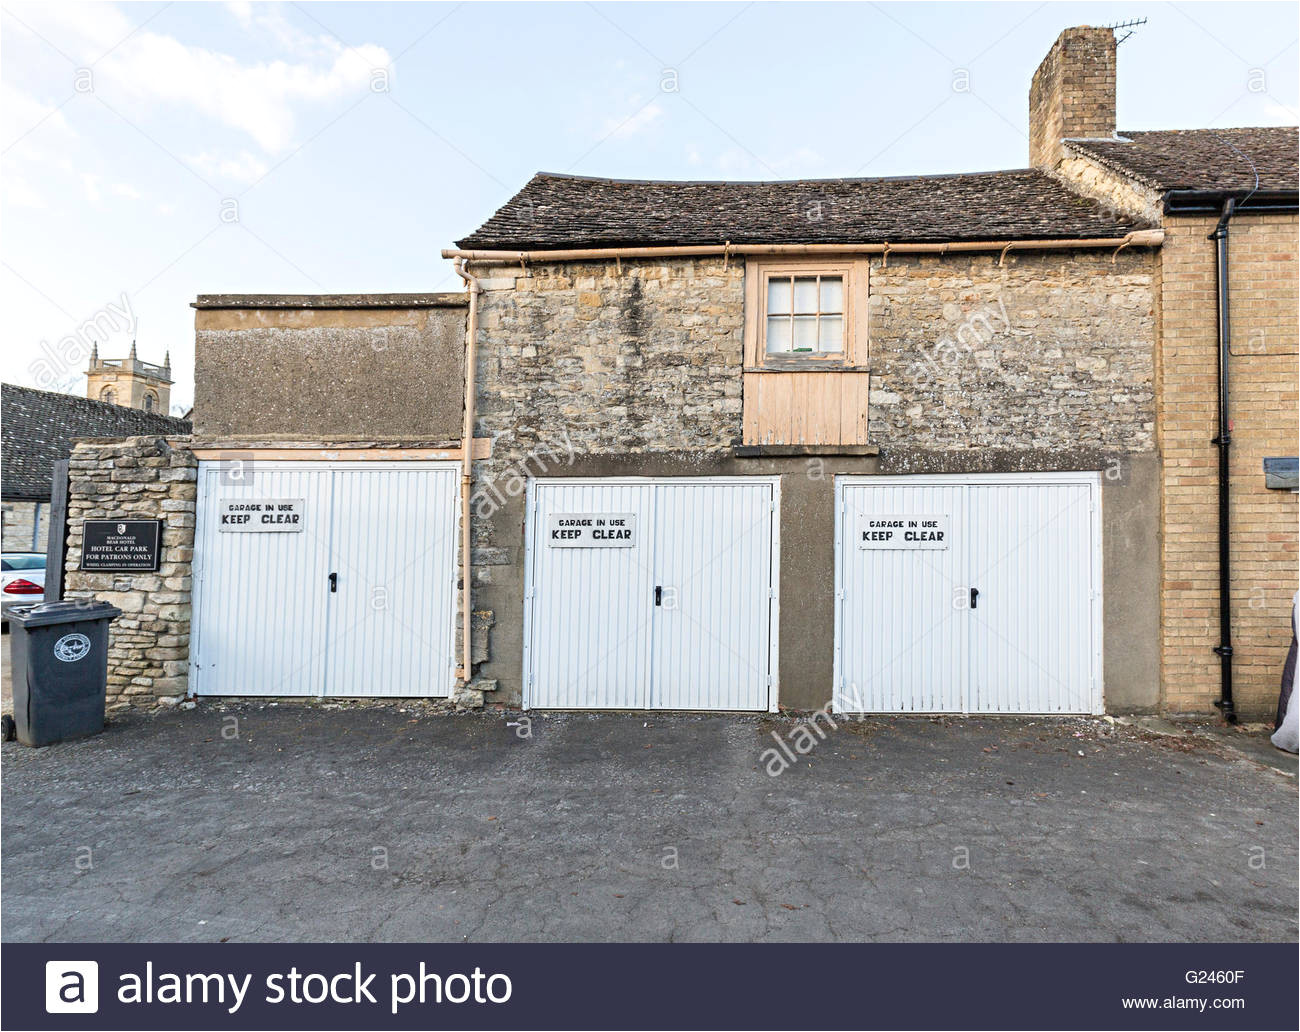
x=23 y=113
x=125 y=190
x=21 y=194
x=641 y=119
x=242 y=168
x=90 y=183
x=243 y=12
x=139 y=68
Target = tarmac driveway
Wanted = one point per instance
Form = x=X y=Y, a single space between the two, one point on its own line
x=387 y=823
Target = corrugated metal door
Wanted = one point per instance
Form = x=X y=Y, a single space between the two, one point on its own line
x=266 y=621
x=682 y=619
x=1005 y=619
x=589 y=610
x=713 y=560
x=394 y=547
x=259 y=599
x=901 y=638
x=1031 y=642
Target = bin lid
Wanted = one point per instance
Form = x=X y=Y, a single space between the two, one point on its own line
x=63 y=612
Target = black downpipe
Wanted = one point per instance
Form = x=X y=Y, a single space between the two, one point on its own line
x=1224 y=441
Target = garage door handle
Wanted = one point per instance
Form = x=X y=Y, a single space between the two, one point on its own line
x=334 y=582
x=659 y=595
x=974 y=597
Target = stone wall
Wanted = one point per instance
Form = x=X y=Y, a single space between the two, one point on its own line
x=1264 y=372
x=139 y=478
x=1049 y=351
x=1041 y=362
x=642 y=358
x=19 y=523
x=358 y=367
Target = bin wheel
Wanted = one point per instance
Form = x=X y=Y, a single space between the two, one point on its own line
x=7 y=727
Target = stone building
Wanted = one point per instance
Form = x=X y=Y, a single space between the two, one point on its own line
x=38 y=429
x=130 y=382
x=927 y=444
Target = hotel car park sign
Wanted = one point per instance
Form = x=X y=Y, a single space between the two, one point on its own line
x=120 y=545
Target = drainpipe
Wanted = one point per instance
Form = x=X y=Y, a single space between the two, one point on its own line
x=467 y=466
x=1224 y=441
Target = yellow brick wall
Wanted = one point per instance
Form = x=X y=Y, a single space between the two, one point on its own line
x=1263 y=399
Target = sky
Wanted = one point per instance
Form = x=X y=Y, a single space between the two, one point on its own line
x=152 y=152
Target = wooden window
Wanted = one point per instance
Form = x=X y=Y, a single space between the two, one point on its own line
x=806 y=379
x=806 y=314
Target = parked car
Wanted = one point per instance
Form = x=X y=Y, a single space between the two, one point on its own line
x=22 y=579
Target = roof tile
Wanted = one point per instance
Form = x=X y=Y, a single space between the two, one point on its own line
x=39 y=427
x=1202 y=159
x=557 y=211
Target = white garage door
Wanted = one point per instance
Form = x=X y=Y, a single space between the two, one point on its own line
x=971 y=594
x=325 y=579
x=651 y=594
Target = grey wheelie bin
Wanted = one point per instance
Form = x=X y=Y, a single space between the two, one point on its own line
x=59 y=653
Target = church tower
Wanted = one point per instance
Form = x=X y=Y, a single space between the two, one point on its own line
x=130 y=382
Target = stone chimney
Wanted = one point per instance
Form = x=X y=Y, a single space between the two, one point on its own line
x=1072 y=93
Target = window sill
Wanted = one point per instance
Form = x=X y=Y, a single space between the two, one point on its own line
x=788 y=451
x=805 y=366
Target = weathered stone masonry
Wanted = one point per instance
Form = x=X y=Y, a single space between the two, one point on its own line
x=139 y=478
x=635 y=368
x=647 y=357
x=1048 y=352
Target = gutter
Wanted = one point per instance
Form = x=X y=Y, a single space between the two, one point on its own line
x=1202 y=202
x=467 y=466
x=1224 y=441
x=1137 y=238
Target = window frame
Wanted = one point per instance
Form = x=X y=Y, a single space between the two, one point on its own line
x=854 y=272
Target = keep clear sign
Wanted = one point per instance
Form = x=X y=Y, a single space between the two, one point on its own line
x=591 y=530
x=902 y=531
x=261 y=515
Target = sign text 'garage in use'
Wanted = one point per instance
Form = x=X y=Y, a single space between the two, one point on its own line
x=591 y=530
x=261 y=515
x=904 y=530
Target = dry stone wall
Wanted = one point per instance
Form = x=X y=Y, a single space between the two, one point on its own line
x=139 y=478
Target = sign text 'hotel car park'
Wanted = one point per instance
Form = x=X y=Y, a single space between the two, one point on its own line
x=591 y=530
x=876 y=530
x=130 y=545
x=261 y=515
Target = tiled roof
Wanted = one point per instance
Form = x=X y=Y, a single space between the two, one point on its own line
x=1202 y=159
x=555 y=211
x=37 y=428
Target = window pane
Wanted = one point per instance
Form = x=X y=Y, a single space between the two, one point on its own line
x=832 y=294
x=805 y=295
x=832 y=333
x=778 y=296
x=778 y=333
x=805 y=333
